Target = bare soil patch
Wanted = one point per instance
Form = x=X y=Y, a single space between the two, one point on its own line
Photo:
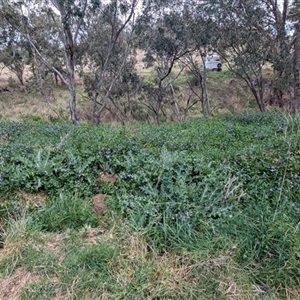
x=99 y=204
x=11 y=287
x=105 y=177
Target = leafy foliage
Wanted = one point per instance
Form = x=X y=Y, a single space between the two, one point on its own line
x=230 y=181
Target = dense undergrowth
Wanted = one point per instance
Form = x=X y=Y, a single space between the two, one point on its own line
x=196 y=191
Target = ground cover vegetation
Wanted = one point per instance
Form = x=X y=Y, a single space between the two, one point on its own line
x=201 y=209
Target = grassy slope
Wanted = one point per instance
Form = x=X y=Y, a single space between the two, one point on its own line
x=202 y=209
x=28 y=103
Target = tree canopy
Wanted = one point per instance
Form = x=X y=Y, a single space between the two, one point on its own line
x=98 y=40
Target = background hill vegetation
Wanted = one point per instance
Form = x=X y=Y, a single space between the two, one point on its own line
x=143 y=60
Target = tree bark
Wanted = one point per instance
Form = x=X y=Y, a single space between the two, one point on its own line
x=296 y=104
x=71 y=80
x=205 y=99
x=70 y=62
x=68 y=40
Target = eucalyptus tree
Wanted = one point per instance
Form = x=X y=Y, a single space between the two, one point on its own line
x=294 y=16
x=163 y=49
x=173 y=36
x=296 y=102
x=67 y=19
x=250 y=34
x=200 y=33
x=14 y=52
x=108 y=52
x=238 y=39
x=281 y=55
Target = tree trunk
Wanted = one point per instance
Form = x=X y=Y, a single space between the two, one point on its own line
x=205 y=95
x=296 y=104
x=259 y=100
x=261 y=95
x=72 y=104
x=69 y=54
x=205 y=99
x=68 y=41
x=20 y=72
x=72 y=98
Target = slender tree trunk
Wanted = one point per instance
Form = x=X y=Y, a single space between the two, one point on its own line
x=69 y=54
x=68 y=40
x=296 y=104
x=72 y=103
x=257 y=96
x=37 y=69
x=19 y=71
x=205 y=95
x=177 y=109
x=205 y=99
x=261 y=94
x=280 y=11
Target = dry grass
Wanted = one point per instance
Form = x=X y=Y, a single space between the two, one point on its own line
x=21 y=103
x=172 y=273
x=31 y=200
x=52 y=103
x=6 y=76
x=29 y=106
x=154 y=275
x=12 y=286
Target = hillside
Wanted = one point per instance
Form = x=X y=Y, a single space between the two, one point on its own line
x=50 y=102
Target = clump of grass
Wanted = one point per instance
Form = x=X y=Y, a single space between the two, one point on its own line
x=67 y=211
x=21 y=247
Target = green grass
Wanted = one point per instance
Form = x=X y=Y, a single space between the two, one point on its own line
x=202 y=209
